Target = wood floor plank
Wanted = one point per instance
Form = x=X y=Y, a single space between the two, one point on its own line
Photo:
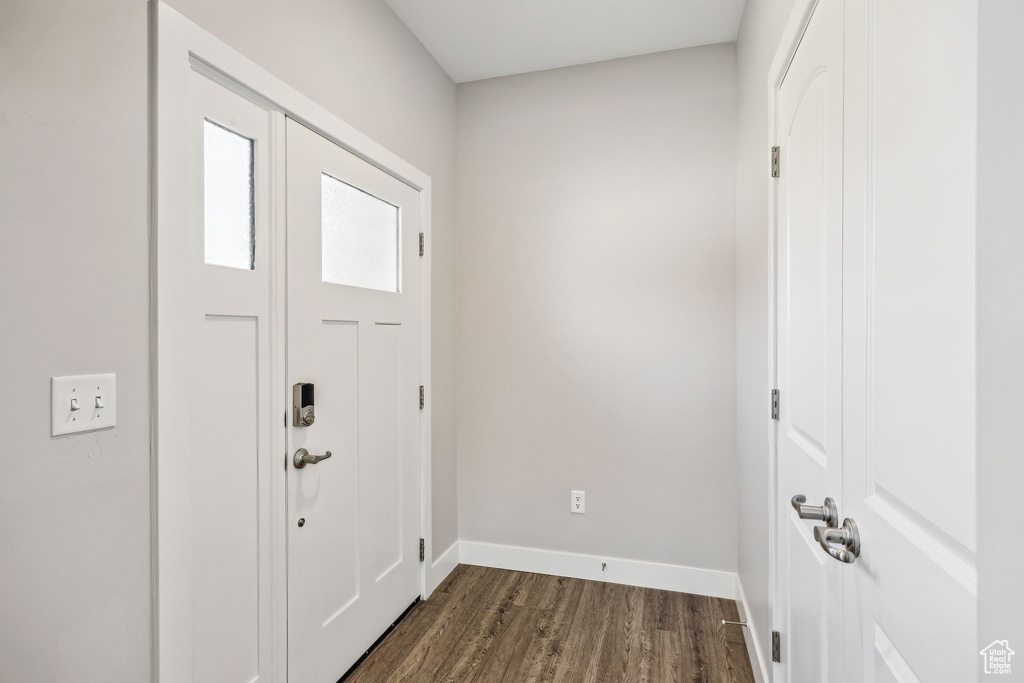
x=584 y=637
x=508 y=648
x=625 y=646
x=475 y=647
x=668 y=663
x=554 y=619
x=478 y=626
x=434 y=614
x=445 y=622
x=731 y=640
x=663 y=610
x=492 y=625
x=697 y=639
x=603 y=625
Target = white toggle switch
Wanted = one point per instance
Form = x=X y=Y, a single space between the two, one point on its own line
x=70 y=398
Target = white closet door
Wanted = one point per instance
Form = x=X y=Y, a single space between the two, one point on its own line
x=909 y=428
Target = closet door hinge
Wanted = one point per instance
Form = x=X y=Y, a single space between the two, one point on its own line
x=423 y=400
x=776 y=646
x=421 y=244
x=423 y=550
x=775 y=404
x=775 y=161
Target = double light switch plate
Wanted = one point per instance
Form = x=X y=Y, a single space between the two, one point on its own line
x=82 y=403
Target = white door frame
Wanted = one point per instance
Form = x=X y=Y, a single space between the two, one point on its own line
x=178 y=47
x=799 y=18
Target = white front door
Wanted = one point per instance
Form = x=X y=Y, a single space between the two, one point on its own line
x=809 y=325
x=354 y=334
x=909 y=429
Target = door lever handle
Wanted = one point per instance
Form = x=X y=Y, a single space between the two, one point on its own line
x=303 y=458
x=828 y=512
x=847 y=536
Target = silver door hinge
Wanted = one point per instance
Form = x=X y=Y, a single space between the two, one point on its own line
x=775 y=404
x=423 y=400
x=775 y=161
x=776 y=646
x=423 y=550
x=421 y=244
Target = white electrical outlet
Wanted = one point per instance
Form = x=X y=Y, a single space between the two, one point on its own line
x=82 y=403
x=577 y=502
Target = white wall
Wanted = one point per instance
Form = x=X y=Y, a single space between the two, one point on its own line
x=74 y=272
x=763 y=21
x=596 y=315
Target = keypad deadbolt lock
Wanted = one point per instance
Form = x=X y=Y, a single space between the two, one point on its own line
x=303 y=414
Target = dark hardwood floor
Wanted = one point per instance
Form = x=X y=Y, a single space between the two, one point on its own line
x=495 y=625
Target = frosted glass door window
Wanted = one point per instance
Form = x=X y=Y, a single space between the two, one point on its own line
x=360 y=238
x=228 y=183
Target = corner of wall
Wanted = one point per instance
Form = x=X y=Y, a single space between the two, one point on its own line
x=441 y=567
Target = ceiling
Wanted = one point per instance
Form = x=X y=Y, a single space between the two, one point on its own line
x=474 y=39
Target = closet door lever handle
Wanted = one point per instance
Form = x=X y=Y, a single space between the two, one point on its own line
x=848 y=537
x=828 y=512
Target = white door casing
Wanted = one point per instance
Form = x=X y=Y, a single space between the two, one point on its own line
x=353 y=564
x=809 y=327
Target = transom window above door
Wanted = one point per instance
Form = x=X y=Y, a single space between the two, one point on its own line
x=361 y=238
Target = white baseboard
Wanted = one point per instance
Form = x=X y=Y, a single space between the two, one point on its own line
x=671 y=577
x=751 y=637
x=440 y=568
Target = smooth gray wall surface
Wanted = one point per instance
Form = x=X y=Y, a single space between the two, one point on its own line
x=1000 y=333
x=763 y=22
x=75 y=600
x=596 y=308
x=74 y=277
